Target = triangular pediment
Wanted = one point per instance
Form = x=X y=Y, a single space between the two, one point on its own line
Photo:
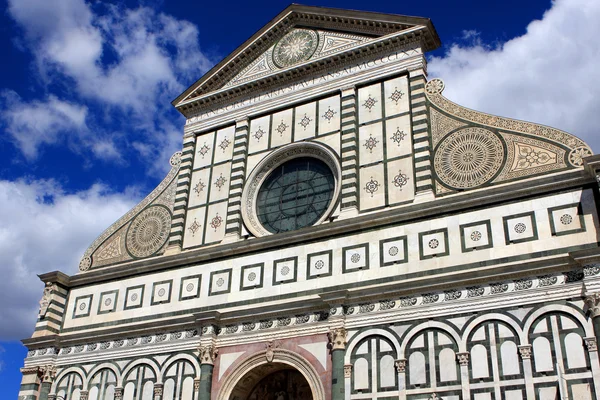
x=297 y=38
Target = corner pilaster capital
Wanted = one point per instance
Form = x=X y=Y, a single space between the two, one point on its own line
x=158 y=389
x=196 y=384
x=463 y=359
x=400 y=365
x=525 y=351
x=207 y=354
x=592 y=302
x=348 y=371
x=47 y=373
x=83 y=395
x=591 y=343
x=337 y=337
x=118 y=393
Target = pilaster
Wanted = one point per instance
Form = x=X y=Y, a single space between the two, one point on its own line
x=463 y=360
x=400 y=365
x=30 y=383
x=233 y=227
x=184 y=178
x=420 y=130
x=158 y=391
x=525 y=352
x=349 y=156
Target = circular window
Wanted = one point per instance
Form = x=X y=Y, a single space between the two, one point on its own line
x=295 y=194
x=295 y=187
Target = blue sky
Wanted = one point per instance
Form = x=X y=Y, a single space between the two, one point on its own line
x=87 y=127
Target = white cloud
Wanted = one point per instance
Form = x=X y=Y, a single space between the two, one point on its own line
x=132 y=62
x=45 y=229
x=548 y=75
x=37 y=123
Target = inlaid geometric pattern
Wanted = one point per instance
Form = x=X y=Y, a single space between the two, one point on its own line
x=355 y=258
x=190 y=287
x=393 y=251
x=161 y=292
x=319 y=264
x=134 y=297
x=520 y=228
x=433 y=243
x=476 y=236
x=285 y=270
x=220 y=282
x=108 y=302
x=83 y=305
x=565 y=220
x=252 y=276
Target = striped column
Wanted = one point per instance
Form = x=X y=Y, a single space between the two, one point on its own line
x=30 y=383
x=233 y=227
x=184 y=178
x=349 y=202
x=49 y=323
x=420 y=129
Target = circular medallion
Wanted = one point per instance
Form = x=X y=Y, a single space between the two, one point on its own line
x=468 y=158
x=566 y=219
x=393 y=251
x=148 y=232
x=476 y=236
x=189 y=287
x=520 y=227
x=285 y=270
x=297 y=46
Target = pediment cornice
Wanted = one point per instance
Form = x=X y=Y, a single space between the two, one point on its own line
x=394 y=28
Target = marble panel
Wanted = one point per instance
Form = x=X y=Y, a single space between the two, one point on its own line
x=370 y=140
x=565 y=220
x=190 y=287
x=319 y=264
x=400 y=181
x=332 y=141
x=252 y=276
x=396 y=96
x=433 y=243
x=520 y=228
x=394 y=250
x=398 y=137
x=194 y=227
x=224 y=144
x=285 y=270
x=161 y=292
x=329 y=115
x=83 y=306
x=305 y=121
x=282 y=126
x=219 y=182
x=477 y=235
x=134 y=297
x=204 y=150
x=108 y=301
x=355 y=258
x=215 y=222
x=220 y=282
x=369 y=103
x=199 y=187
x=372 y=187
x=259 y=134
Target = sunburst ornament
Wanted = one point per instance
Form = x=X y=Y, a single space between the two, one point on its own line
x=297 y=46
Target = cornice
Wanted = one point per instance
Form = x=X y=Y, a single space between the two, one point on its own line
x=475 y=199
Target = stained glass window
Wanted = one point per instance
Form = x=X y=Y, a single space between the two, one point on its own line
x=295 y=194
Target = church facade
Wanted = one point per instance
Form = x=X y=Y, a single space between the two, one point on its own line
x=335 y=228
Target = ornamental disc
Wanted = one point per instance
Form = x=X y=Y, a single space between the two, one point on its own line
x=149 y=231
x=297 y=46
x=468 y=158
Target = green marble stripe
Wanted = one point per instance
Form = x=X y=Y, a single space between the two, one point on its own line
x=419 y=113
x=421 y=169
x=421 y=139
x=420 y=130
x=349 y=204
x=419 y=104
x=46 y=328
x=179 y=208
x=239 y=153
x=425 y=187
x=420 y=159
x=423 y=178
x=348 y=123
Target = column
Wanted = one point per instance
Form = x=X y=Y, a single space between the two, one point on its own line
x=401 y=370
x=592 y=347
x=337 y=337
x=349 y=126
x=525 y=352
x=420 y=130
x=233 y=226
x=48 y=373
x=463 y=360
x=158 y=391
x=207 y=354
